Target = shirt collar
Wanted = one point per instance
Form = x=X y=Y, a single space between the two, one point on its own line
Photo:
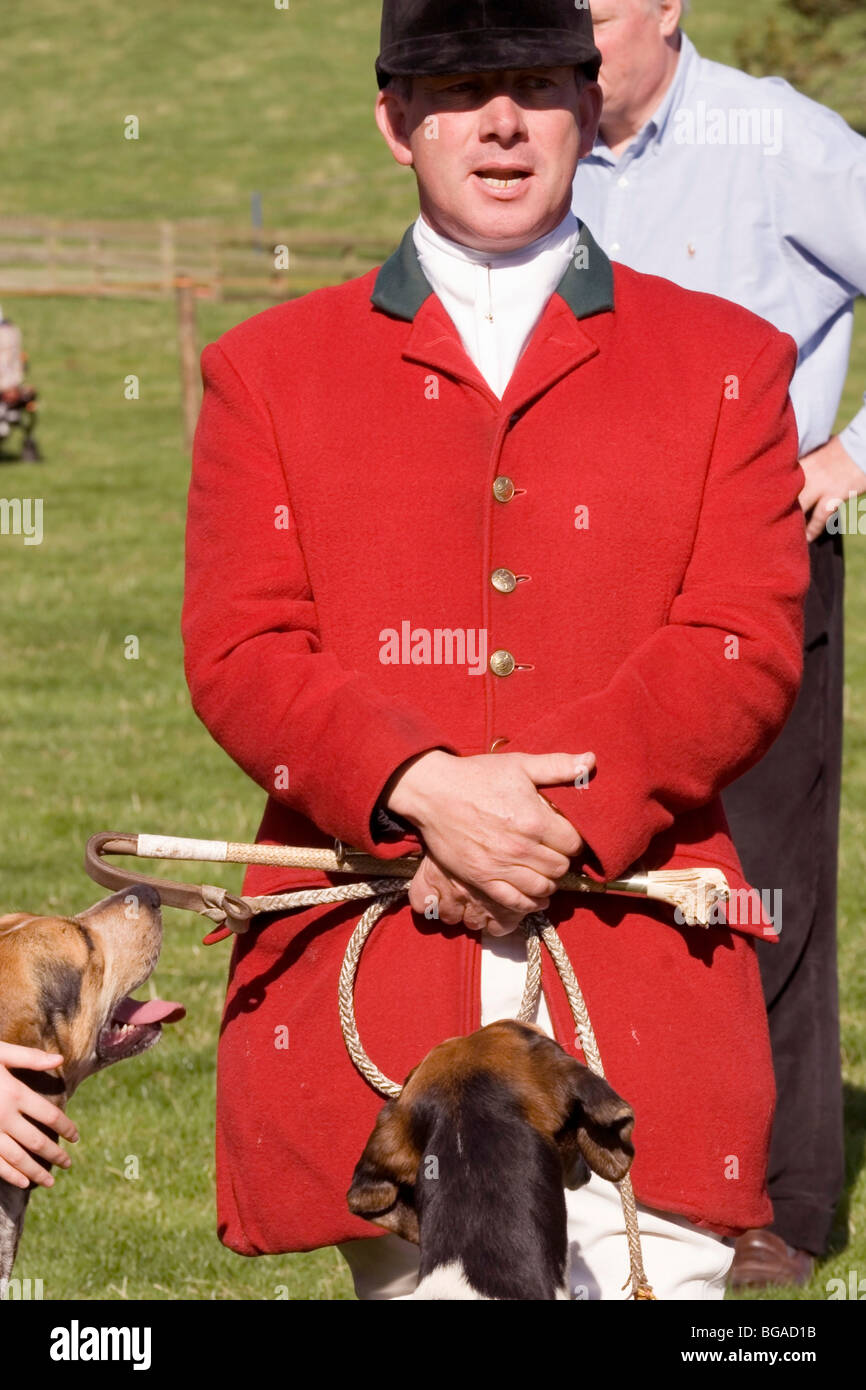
x=587 y=286
x=653 y=131
x=566 y=231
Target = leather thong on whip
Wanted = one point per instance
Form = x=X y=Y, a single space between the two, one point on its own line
x=693 y=892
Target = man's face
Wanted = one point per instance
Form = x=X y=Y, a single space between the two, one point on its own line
x=494 y=153
x=631 y=37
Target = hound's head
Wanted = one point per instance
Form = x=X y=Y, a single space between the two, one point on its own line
x=507 y=1069
x=65 y=982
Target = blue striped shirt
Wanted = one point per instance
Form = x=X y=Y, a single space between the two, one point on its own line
x=744 y=188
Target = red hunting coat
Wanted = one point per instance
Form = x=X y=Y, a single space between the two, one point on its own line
x=344 y=484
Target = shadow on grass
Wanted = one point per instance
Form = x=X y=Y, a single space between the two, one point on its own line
x=855 y=1153
x=844 y=1224
x=16 y=458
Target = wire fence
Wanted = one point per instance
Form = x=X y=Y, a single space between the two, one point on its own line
x=144 y=259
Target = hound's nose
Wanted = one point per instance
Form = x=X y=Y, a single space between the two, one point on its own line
x=146 y=894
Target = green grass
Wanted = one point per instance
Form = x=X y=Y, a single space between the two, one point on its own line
x=232 y=96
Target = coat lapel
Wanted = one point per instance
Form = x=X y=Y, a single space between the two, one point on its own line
x=434 y=342
x=558 y=345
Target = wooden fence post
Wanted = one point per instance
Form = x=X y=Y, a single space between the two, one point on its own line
x=186 y=337
x=95 y=249
x=166 y=251
x=51 y=254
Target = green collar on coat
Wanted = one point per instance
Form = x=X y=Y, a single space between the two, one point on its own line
x=402 y=287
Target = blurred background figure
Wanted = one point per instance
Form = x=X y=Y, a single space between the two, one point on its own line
x=17 y=399
x=744 y=188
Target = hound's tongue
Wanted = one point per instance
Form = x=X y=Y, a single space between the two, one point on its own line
x=148 y=1011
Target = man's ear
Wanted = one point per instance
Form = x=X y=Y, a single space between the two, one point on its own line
x=589 y=116
x=392 y=120
x=597 y=1129
x=383 y=1184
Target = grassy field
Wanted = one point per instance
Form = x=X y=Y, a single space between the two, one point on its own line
x=232 y=96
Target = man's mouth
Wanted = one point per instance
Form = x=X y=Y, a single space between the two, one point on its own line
x=502 y=178
x=135 y=1025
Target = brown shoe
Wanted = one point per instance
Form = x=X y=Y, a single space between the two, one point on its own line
x=762 y=1258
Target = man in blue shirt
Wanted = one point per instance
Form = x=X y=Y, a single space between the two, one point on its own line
x=741 y=187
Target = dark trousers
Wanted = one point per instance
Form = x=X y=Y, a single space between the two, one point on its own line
x=784 y=818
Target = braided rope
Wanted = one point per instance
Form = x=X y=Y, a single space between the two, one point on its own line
x=537 y=928
x=346 y=991
x=275 y=902
x=532 y=986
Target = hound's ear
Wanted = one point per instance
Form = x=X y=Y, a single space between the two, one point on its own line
x=383 y=1184
x=597 y=1130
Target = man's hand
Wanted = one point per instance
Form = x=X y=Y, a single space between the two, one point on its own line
x=444 y=898
x=19 y=1139
x=831 y=477
x=486 y=825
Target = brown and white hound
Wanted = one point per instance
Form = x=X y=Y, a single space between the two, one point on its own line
x=470 y=1162
x=65 y=984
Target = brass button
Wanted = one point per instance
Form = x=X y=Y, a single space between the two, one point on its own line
x=504 y=580
x=502 y=663
x=497 y=742
x=503 y=488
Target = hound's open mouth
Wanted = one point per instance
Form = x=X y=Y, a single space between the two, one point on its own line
x=135 y=1026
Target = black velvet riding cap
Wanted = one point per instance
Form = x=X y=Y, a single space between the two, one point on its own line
x=439 y=36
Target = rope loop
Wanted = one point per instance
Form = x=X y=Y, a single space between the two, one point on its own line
x=537 y=928
x=346 y=992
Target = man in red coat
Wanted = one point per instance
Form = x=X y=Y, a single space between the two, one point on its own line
x=458 y=530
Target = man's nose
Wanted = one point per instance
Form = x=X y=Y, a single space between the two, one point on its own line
x=502 y=119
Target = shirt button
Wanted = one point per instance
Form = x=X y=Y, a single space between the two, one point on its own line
x=622 y=181
x=502 y=663
x=504 y=580
x=614 y=246
x=503 y=488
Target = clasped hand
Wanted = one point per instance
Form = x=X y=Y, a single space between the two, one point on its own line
x=495 y=848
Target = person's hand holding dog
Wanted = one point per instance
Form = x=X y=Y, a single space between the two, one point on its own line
x=20 y=1139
